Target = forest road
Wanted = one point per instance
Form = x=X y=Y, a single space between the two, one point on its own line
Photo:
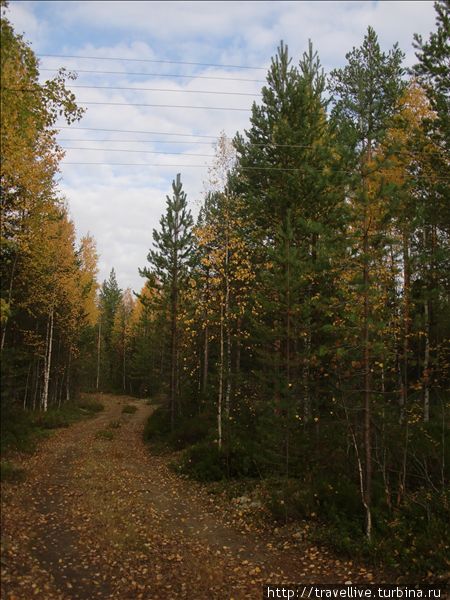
x=100 y=517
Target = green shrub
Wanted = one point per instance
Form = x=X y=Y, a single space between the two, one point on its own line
x=415 y=537
x=204 y=462
x=91 y=405
x=157 y=427
x=53 y=419
x=9 y=472
x=289 y=499
x=129 y=409
x=189 y=431
x=21 y=429
x=105 y=434
x=18 y=432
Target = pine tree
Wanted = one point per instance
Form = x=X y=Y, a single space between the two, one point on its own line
x=366 y=93
x=432 y=70
x=170 y=262
x=109 y=300
x=287 y=175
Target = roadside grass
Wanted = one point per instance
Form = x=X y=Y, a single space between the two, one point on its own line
x=9 y=472
x=21 y=430
x=105 y=434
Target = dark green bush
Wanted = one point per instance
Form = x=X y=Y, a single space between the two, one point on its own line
x=157 y=427
x=204 y=462
x=18 y=432
x=129 y=409
x=53 y=419
x=105 y=434
x=92 y=405
x=21 y=429
x=189 y=431
x=9 y=472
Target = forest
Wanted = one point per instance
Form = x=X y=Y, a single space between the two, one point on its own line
x=295 y=333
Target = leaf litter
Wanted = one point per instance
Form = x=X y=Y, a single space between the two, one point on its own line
x=104 y=518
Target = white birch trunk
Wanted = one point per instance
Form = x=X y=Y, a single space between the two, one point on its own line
x=219 y=400
x=98 y=353
x=48 y=362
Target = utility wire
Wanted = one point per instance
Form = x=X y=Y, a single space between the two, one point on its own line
x=138 y=151
x=162 y=165
x=213 y=137
x=107 y=87
x=165 y=105
x=194 y=142
x=138 y=141
x=152 y=60
x=162 y=75
x=241 y=168
x=181 y=142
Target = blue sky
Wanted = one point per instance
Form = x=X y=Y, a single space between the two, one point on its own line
x=120 y=205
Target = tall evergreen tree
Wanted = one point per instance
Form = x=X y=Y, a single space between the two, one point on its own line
x=433 y=69
x=292 y=199
x=110 y=298
x=170 y=261
x=366 y=93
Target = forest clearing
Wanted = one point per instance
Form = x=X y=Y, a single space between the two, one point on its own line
x=218 y=374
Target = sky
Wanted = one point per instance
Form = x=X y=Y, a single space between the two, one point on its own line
x=121 y=204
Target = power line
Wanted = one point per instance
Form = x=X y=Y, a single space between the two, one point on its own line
x=152 y=105
x=162 y=75
x=178 y=142
x=139 y=151
x=162 y=165
x=241 y=168
x=107 y=87
x=138 y=141
x=213 y=137
x=151 y=60
x=99 y=87
x=165 y=105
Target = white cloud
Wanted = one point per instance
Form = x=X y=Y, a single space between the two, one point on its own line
x=21 y=14
x=121 y=205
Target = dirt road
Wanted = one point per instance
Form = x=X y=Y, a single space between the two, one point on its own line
x=99 y=516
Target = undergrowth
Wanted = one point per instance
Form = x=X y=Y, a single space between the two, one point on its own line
x=21 y=430
x=410 y=538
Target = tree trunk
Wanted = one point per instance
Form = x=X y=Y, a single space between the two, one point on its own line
x=36 y=384
x=68 y=376
x=10 y=289
x=227 y=320
x=173 y=358
x=174 y=333
x=98 y=353
x=406 y=319
x=426 y=366
x=206 y=339
x=205 y=359
x=124 y=366
x=238 y=348
x=26 y=387
x=288 y=343
x=47 y=361
x=366 y=362
x=219 y=400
